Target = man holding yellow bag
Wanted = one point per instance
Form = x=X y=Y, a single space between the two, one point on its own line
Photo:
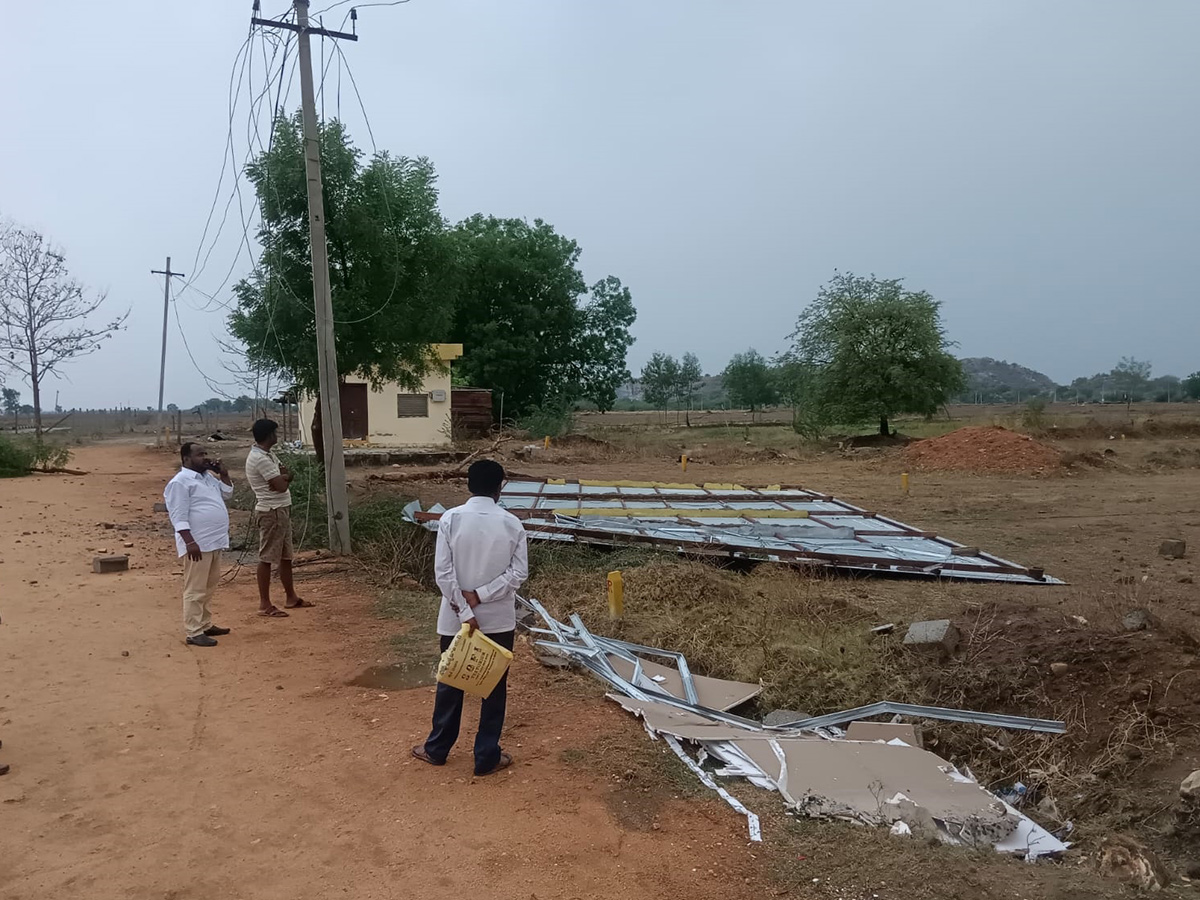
x=480 y=562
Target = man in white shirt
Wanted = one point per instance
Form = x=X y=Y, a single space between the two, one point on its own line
x=195 y=501
x=481 y=560
x=271 y=482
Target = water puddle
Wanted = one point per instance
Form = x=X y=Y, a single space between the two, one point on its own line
x=396 y=677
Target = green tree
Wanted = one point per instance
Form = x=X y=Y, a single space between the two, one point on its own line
x=796 y=383
x=12 y=403
x=686 y=383
x=604 y=341
x=1131 y=378
x=391 y=263
x=749 y=381
x=1191 y=386
x=529 y=329
x=660 y=378
x=876 y=350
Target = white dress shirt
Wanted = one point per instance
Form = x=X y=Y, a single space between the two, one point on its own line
x=196 y=503
x=480 y=547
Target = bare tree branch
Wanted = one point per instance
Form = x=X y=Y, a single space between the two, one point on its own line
x=43 y=311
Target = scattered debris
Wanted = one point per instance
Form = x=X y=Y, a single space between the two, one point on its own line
x=885 y=731
x=884 y=629
x=160 y=506
x=1173 y=549
x=1060 y=668
x=886 y=779
x=771 y=524
x=939 y=637
x=103 y=565
x=1140 y=619
x=1133 y=863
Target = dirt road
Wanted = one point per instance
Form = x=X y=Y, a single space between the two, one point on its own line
x=252 y=769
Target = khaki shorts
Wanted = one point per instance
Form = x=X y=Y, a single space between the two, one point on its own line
x=274 y=535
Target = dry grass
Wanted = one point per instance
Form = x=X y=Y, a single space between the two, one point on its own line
x=799 y=637
x=807 y=641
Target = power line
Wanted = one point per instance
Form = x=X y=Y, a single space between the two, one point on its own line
x=357 y=5
x=235 y=192
x=383 y=181
x=224 y=164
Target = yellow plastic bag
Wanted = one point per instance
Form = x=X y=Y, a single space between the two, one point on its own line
x=473 y=663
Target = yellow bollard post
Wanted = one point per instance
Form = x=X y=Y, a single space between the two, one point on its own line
x=546 y=443
x=683 y=462
x=904 y=482
x=616 y=595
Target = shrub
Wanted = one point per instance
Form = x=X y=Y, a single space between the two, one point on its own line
x=20 y=456
x=553 y=418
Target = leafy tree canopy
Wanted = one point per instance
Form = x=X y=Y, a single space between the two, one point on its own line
x=660 y=375
x=391 y=263
x=530 y=328
x=750 y=381
x=876 y=350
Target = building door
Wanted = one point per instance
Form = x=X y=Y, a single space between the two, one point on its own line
x=354 y=412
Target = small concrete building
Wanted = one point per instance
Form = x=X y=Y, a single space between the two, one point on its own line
x=394 y=416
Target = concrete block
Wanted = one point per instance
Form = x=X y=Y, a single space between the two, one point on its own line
x=938 y=636
x=102 y=565
x=1173 y=549
x=160 y=507
x=1190 y=788
x=783 y=717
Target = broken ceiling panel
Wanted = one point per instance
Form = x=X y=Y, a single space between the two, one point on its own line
x=886 y=780
x=776 y=523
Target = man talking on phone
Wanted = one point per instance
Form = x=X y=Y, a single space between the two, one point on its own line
x=195 y=500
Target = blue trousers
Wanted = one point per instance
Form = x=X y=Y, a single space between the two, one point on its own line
x=447 y=716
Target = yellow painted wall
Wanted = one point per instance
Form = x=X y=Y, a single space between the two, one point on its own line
x=384 y=427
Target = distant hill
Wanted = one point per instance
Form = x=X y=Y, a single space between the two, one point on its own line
x=999 y=379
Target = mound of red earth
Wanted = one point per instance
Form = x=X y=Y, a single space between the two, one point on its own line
x=983 y=449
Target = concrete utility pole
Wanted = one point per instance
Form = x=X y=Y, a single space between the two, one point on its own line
x=327 y=370
x=162 y=366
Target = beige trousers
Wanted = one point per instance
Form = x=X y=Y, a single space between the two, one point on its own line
x=199 y=583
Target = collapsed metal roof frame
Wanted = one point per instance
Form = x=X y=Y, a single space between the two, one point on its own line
x=596 y=652
x=779 y=523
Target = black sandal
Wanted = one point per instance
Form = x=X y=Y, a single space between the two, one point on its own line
x=418 y=752
x=505 y=761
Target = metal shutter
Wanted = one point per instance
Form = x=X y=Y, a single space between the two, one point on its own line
x=412 y=406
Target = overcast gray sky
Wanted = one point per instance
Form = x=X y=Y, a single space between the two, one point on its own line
x=1031 y=164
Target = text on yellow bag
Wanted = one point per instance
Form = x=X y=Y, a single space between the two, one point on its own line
x=473 y=663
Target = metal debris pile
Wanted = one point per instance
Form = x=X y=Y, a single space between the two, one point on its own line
x=835 y=766
x=772 y=524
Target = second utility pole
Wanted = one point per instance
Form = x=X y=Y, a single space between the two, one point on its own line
x=336 y=499
x=162 y=366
